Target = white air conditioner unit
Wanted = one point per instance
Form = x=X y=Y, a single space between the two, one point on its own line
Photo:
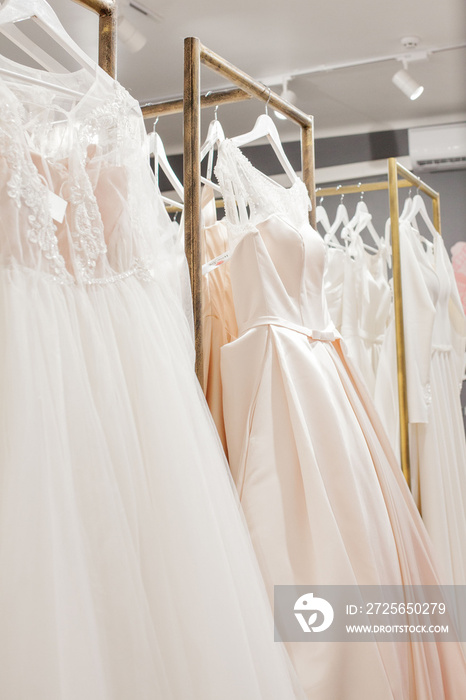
x=440 y=147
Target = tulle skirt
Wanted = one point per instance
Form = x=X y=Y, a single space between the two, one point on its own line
x=125 y=567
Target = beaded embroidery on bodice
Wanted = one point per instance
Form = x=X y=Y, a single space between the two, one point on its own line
x=251 y=197
x=278 y=259
x=89 y=156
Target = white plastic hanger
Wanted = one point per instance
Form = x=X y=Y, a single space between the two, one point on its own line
x=16 y=36
x=157 y=149
x=361 y=220
x=341 y=219
x=13 y=11
x=408 y=203
x=322 y=218
x=215 y=135
x=388 y=247
x=24 y=78
x=265 y=127
x=419 y=207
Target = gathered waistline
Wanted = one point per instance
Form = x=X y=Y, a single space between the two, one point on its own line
x=327 y=335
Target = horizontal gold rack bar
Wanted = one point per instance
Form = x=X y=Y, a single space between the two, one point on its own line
x=253 y=87
x=210 y=99
x=101 y=7
x=373 y=186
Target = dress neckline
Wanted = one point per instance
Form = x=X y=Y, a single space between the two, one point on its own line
x=245 y=187
x=427 y=259
x=229 y=143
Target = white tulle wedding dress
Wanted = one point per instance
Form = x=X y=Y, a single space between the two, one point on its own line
x=125 y=567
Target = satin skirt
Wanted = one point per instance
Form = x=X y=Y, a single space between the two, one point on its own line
x=326 y=503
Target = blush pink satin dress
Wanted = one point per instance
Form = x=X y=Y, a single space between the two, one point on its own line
x=218 y=312
x=323 y=496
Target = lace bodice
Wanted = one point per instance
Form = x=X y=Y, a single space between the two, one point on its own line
x=250 y=196
x=278 y=260
x=85 y=153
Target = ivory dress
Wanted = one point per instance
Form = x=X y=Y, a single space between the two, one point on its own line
x=323 y=497
x=126 y=571
x=334 y=277
x=358 y=297
x=435 y=336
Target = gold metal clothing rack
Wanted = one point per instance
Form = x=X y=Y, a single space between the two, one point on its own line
x=395 y=171
x=107 y=11
x=196 y=54
x=210 y=99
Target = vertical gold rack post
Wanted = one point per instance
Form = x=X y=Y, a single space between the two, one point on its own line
x=196 y=54
x=107 y=11
x=396 y=170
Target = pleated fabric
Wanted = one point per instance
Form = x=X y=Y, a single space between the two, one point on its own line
x=324 y=498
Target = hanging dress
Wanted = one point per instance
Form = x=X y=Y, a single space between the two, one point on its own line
x=366 y=308
x=358 y=298
x=435 y=335
x=323 y=497
x=125 y=567
x=218 y=313
x=334 y=277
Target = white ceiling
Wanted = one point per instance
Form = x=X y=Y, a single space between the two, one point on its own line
x=269 y=40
